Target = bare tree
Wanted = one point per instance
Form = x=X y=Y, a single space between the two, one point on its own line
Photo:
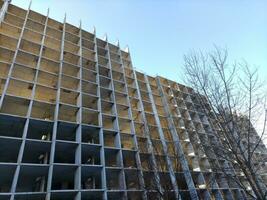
x=160 y=183
x=233 y=98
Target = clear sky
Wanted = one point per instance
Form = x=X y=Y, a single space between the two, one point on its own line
x=160 y=32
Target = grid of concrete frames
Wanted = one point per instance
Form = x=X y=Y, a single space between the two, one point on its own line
x=78 y=122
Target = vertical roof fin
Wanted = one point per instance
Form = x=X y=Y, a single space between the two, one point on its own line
x=127 y=49
x=105 y=37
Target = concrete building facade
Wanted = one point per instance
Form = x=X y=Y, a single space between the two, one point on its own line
x=77 y=121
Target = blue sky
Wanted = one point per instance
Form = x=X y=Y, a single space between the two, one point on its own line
x=160 y=32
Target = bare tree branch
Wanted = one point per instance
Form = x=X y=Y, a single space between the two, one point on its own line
x=232 y=97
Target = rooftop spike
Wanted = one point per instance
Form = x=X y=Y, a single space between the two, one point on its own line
x=47 y=11
x=118 y=43
x=30 y=4
x=105 y=38
x=94 y=30
x=127 y=49
x=80 y=24
x=65 y=17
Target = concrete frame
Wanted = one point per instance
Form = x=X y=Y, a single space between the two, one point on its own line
x=73 y=50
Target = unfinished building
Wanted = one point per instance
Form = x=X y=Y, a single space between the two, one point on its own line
x=78 y=122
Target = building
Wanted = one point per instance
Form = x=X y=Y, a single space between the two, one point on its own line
x=77 y=121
